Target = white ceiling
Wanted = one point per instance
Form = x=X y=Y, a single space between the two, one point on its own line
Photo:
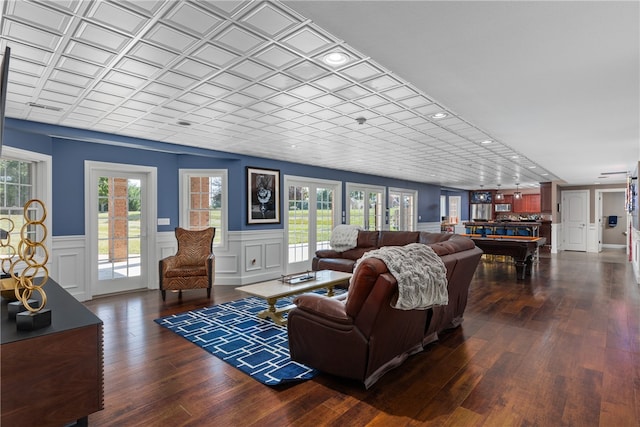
x=554 y=85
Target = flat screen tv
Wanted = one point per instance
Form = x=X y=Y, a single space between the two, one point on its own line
x=4 y=79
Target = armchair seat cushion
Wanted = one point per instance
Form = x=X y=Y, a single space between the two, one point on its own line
x=187 y=271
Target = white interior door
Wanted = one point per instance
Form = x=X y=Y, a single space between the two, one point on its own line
x=575 y=218
x=313 y=210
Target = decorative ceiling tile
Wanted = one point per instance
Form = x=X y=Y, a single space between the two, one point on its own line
x=259 y=91
x=162 y=89
x=238 y=39
x=191 y=18
x=38 y=15
x=88 y=52
x=240 y=99
x=280 y=81
x=361 y=71
x=306 y=91
x=250 y=69
x=269 y=20
x=177 y=80
x=17 y=31
x=306 y=70
x=211 y=90
x=352 y=92
x=284 y=100
x=139 y=68
x=276 y=56
x=328 y=100
x=77 y=66
x=101 y=37
x=170 y=38
x=124 y=79
x=214 y=55
x=230 y=81
x=152 y=54
x=306 y=41
x=111 y=15
x=265 y=107
x=414 y=101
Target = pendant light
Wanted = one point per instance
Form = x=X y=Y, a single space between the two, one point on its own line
x=499 y=195
x=517 y=194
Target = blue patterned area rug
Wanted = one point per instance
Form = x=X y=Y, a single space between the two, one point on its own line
x=233 y=332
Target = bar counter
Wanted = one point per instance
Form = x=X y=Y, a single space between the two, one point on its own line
x=506 y=228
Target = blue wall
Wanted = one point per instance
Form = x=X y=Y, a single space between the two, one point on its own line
x=70 y=147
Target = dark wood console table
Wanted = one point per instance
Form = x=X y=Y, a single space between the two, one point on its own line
x=55 y=375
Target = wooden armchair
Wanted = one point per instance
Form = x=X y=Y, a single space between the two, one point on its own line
x=193 y=266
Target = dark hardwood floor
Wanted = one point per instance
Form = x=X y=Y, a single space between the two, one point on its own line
x=561 y=348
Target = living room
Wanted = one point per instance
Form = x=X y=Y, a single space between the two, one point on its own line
x=72 y=149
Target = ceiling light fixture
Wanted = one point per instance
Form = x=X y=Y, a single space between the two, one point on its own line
x=499 y=195
x=517 y=194
x=439 y=116
x=486 y=141
x=361 y=120
x=335 y=59
x=184 y=123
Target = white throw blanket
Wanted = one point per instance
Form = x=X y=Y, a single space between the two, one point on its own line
x=344 y=237
x=419 y=271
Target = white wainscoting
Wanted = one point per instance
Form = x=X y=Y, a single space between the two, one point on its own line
x=249 y=257
x=69 y=267
x=431 y=227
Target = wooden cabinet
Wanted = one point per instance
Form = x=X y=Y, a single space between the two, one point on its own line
x=529 y=203
x=52 y=376
x=545 y=198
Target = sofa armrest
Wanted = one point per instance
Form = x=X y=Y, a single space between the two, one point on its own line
x=330 y=308
x=328 y=253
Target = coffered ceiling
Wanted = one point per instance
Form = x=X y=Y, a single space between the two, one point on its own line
x=553 y=86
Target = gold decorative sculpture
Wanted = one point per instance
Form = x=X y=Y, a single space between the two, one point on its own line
x=22 y=283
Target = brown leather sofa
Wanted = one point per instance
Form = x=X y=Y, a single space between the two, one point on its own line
x=328 y=259
x=362 y=337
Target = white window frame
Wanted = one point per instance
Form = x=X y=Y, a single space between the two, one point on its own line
x=184 y=175
x=42 y=184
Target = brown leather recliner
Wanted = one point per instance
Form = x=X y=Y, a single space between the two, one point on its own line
x=361 y=339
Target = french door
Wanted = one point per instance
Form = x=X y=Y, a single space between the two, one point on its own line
x=119 y=221
x=402 y=210
x=312 y=210
x=366 y=206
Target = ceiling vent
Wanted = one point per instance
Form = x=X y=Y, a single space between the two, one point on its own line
x=44 y=107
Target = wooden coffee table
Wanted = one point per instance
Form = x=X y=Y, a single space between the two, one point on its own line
x=272 y=290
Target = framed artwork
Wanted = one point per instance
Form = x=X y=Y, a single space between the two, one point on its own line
x=263 y=196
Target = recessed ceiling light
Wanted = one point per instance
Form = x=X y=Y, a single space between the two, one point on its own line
x=486 y=141
x=335 y=59
x=439 y=115
x=532 y=167
x=184 y=123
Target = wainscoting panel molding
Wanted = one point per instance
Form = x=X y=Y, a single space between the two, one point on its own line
x=68 y=266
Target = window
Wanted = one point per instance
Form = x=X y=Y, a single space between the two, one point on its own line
x=203 y=200
x=16 y=189
x=24 y=175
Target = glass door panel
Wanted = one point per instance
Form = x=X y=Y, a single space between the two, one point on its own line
x=324 y=217
x=311 y=217
x=366 y=207
x=298 y=224
x=120 y=240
